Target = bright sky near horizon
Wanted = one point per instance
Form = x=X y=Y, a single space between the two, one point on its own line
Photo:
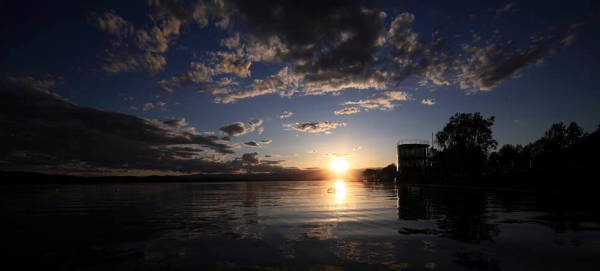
x=261 y=86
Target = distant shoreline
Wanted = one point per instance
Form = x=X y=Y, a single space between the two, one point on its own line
x=26 y=178
x=503 y=188
x=576 y=180
x=525 y=182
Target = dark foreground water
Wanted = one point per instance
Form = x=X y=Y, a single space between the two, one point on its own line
x=319 y=225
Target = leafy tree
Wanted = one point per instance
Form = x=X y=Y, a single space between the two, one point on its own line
x=557 y=139
x=389 y=172
x=465 y=142
x=560 y=145
x=467 y=131
x=574 y=133
x=370 y=174
x=510 y=154
x=510 y=157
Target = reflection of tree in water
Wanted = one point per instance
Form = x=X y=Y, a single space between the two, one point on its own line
x=380 y=187
x=464 y=217
x=566 y=212
x=562 y=212
x=459 y=215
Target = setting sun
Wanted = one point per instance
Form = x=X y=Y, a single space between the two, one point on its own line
x=339 y=165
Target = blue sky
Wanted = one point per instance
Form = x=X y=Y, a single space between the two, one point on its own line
x=224 y=63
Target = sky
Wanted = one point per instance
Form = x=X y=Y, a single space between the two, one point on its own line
x=203 y=86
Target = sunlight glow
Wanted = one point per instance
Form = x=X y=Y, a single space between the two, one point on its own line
x=340 y=192
x=339 y=165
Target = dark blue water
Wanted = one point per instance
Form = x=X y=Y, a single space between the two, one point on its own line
x=319 y=225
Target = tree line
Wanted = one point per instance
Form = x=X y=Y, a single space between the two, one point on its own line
x=466 y=149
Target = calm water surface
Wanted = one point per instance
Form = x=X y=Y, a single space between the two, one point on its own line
x=319 y=225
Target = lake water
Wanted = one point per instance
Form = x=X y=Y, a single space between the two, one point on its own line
x=318 y=225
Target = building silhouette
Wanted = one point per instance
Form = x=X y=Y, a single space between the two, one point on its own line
x=412 y=156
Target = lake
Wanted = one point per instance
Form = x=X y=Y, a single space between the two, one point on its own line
x=318 y=225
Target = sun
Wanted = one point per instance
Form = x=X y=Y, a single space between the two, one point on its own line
x=339 y=165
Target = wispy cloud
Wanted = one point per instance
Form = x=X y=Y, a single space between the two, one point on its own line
x=156 y=105
x=347 y=111
x=286 y=114
x=176 y=122
x=428 y=102
x=315 y=127
x=258 y=143
x=487 y=66
x=382 y=101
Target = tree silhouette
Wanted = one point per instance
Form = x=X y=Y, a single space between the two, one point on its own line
x=561 y=148
x=574 y=133
x=389 y=172
x=385 y=174
x=467 y=131
x=465 y=142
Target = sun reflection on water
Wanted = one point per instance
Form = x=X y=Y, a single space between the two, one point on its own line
x=340 y=192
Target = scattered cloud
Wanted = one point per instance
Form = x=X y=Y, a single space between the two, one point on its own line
x=258 y=143
x=382 y=101
x=252 y=143
x=428 y=101
x=506 y=8
x=176 y=122
x=198 y=73
x=113 y=24
x=156 y=105
x=233 y=64
x=53 y=131
x=266 y=141
x=30 y=82
x=315 y=127
x=324 y=48
x=255 y=122
x=286 y=115
x=232 y=42
x=149 y=43
x=241 y=128
x=50 y=134
x=401 y=35
x=487 y=66
x=235 y=129
x=347 y=111
x=251 y=158
x=284 y=83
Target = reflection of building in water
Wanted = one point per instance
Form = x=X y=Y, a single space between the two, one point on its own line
x=412 y=205
x=412 y=156
x=460 y=215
